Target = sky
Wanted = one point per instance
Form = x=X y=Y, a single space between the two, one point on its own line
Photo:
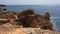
x=30 y=2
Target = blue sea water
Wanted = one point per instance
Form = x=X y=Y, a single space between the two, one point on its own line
x=41 y=9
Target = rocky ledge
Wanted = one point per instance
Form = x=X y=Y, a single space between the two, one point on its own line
x=26 y=31
x=24 y=22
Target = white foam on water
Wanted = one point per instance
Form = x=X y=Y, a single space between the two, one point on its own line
x=55 y=27
x=54 y=17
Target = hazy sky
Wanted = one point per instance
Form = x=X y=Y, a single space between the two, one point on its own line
x=30 y=2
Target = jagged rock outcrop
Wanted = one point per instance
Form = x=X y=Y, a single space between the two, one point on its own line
x=13 y=21
x=42 y=22
x=7 y=15
x=28 y=18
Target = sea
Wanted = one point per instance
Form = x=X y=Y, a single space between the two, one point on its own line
x=41 y=9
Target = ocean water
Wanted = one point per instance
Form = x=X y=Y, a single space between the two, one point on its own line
x=41 y=9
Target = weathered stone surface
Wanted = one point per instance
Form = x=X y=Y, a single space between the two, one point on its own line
x=26 y=31
x=38 y=31
x=29 y=19
x=7 y=15
x=26 y=19
x=42 y=22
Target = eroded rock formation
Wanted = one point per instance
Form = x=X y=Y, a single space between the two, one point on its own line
x=12 y=22
x=28 y=18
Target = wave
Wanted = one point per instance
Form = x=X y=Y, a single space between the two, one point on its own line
x=54 y=17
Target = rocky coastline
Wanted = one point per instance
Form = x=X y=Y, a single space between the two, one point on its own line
x=25 y=22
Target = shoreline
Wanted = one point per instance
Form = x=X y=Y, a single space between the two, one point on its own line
x=27 y=18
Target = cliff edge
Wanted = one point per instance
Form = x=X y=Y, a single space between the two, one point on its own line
x=10 y=21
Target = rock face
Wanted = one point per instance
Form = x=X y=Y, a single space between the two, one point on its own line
x=42 y=22
x=38 y=31
x=26 y=31
x=7 y=15
x=30 y=19
x=26 y=19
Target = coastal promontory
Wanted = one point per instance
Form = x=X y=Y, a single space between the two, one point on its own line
x=25 y=22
